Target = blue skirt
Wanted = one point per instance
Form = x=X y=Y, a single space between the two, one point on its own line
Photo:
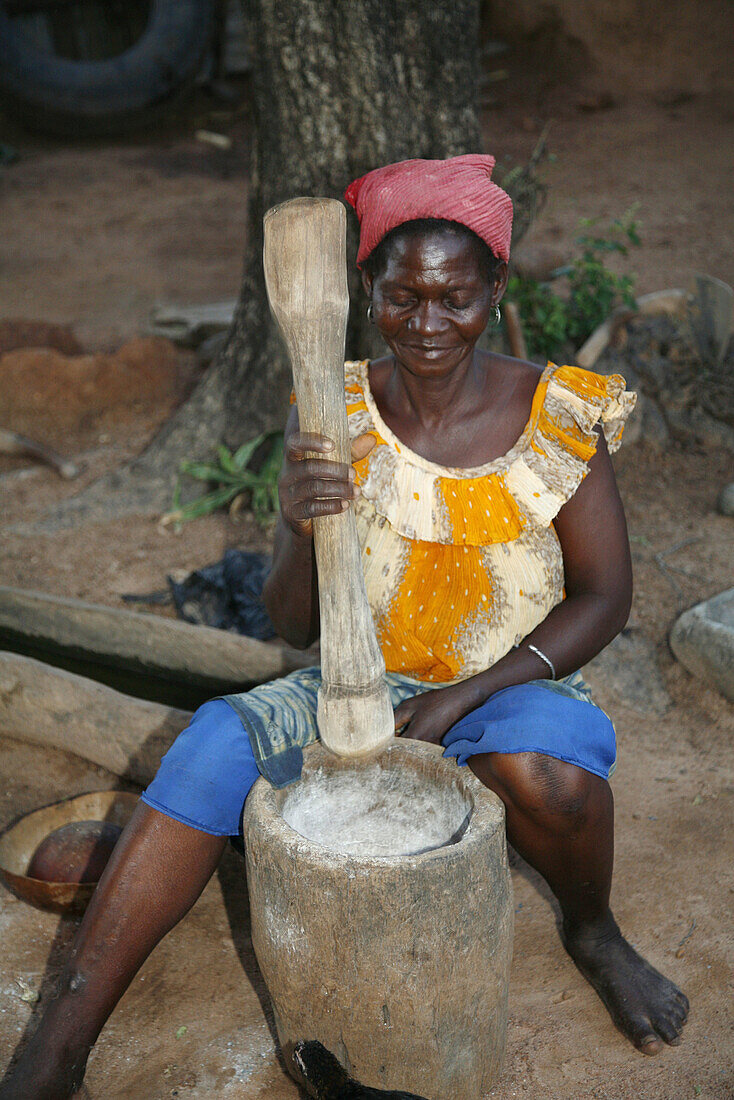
x=206 y=775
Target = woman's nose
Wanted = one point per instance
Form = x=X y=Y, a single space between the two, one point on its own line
x=427 y=319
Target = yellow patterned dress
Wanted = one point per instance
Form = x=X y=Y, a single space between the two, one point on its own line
x=462 y=564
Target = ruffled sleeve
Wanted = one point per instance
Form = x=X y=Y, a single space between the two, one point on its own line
x=550 y=469
x=494 y=503
x=591 y=399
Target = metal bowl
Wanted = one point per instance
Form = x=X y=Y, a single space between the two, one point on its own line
x=19 y=842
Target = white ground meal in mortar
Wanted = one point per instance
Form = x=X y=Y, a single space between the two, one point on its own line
x=375 y=812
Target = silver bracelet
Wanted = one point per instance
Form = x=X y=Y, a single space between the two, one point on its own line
x=539 y=653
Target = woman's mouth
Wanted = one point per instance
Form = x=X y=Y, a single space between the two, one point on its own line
x=429 y=349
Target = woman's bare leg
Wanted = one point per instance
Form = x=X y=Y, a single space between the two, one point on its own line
x=157 y=871
x=561 y=820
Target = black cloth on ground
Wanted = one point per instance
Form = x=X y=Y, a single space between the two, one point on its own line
x=227 y=594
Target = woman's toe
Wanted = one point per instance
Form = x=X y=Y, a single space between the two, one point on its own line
x=669 y=1031
x=650 y=1046
x=644 y=1037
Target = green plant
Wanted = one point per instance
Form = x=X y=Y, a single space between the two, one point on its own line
x=551 y=319
x=234 y=478
x=542 y=314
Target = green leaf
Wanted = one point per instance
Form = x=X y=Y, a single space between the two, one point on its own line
x=226 y=459
x=270 y=469
x=207 y=471
x=274 y=461
x=204 y=505
x=244 y=453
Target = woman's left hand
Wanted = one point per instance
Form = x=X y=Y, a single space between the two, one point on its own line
x=429 y=716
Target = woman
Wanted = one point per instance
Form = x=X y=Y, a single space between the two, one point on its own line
x=497 y=564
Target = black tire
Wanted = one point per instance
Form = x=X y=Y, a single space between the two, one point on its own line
x=62 y=96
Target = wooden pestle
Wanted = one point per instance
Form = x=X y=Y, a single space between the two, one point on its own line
x=306 y=279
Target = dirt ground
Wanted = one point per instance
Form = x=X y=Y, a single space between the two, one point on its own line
x=92 y=235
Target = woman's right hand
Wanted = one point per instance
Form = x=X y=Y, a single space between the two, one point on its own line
x=310 y=486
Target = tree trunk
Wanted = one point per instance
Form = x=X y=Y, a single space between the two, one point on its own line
x=337 y=89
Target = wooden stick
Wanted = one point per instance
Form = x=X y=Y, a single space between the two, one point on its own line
x=513 y=328
x=306 y=279
x=11 y=443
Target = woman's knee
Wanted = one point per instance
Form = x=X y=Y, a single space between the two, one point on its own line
x=544 y=787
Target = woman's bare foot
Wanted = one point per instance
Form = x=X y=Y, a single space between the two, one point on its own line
x=644 y=1005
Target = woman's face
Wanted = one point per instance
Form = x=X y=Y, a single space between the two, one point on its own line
x=433 y=301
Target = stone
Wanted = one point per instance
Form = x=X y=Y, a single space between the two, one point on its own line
x=397 y=964
x=200 y=655
x=725 y=503
x=48 y=706
x=702 y=639
x=710 y=311
x=653 y=428
x=190 y=325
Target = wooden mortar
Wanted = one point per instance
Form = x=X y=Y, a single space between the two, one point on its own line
x=398 y=964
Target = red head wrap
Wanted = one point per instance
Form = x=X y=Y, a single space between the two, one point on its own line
x=459 y=189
